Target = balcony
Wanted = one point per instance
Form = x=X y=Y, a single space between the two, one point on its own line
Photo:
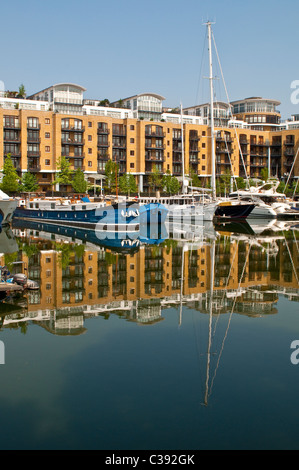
x=103 y=157
x=154 y=146
x=119 y=132
x=152 y=133
x=33 y=165
x=16 y=154
x=289 y=142
x=33 y=153
x=73 y=129
x=11 y=125
x=12 y=140
x=289 y=152
x=288 y=163
x=34 y=168
x=71 y=142
x=151 y=158
x=103 y=131
x=119 y=145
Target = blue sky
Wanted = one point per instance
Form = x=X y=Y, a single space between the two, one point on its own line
x=118 y=48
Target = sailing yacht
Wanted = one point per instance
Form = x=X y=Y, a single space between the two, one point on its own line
x=225 y=209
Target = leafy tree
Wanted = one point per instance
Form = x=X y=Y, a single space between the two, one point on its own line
x=104 y=102
x=223 y=184
x=111 y=172
x=10 y=181
x=65 y=172
x=79 y=183
x=171 y=184
x=29 y=182
x=264 y=174
x=155 y=178
x=22 y=92
x=127 y=184
x=195 y=180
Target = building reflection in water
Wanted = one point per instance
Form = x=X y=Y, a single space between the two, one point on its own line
x=79 y=280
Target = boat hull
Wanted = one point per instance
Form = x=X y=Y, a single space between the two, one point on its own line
x=7 y=210
x=236 y=211
x=119 y=215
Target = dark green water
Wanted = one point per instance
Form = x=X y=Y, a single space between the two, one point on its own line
x=132 y=385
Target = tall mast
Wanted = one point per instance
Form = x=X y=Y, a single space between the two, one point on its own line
x=183 y=156
x=213 y=179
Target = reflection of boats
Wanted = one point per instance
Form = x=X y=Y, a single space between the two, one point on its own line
x=8 y=242
x=191 y=232
x=124 y=215
x=8 y=206
x=254 y=227
x=116 y=240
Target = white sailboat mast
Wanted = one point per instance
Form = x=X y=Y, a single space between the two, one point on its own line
x=213 y=178
x=183 y=153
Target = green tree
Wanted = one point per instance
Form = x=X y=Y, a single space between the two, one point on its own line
x=127 y=184
x=223 y=184
x=10 y=181
x=171 y=184
x=104 y=102
x=29 y=182
x=22 y=92
x=195 y=180
x=65 y=172
x=79 y=183
x=111 y=172
x=264 y=174
x=155 y=179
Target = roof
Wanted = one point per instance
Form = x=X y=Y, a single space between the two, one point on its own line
x=256 y=98
x=155 y=95
x=60 y=84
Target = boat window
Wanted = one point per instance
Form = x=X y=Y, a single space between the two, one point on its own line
x=52 y=205
x=31 y=205
x=73 y=208
x=36 y=206
x=83 y=208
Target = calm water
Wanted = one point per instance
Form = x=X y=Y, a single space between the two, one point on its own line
x=169 y=346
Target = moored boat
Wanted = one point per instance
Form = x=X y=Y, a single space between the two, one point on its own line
x=8 y=205
x=89 y=214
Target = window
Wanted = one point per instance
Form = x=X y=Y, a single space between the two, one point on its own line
x=89 y=151
x=47 y=162
x=132 y=127
x=90 y=138
x=132 y=165
x=47 y=135
x=89 y=124
x=32 y=122
x=47 y=148
x=132 y=153
x=89 y=163
x=47 y=121
x=132 y=140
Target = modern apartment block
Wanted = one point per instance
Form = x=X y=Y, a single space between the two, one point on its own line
x=57 y=122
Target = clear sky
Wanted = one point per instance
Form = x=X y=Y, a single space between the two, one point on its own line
x=119 y=48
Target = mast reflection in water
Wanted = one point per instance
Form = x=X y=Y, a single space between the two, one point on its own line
x=220 y=310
